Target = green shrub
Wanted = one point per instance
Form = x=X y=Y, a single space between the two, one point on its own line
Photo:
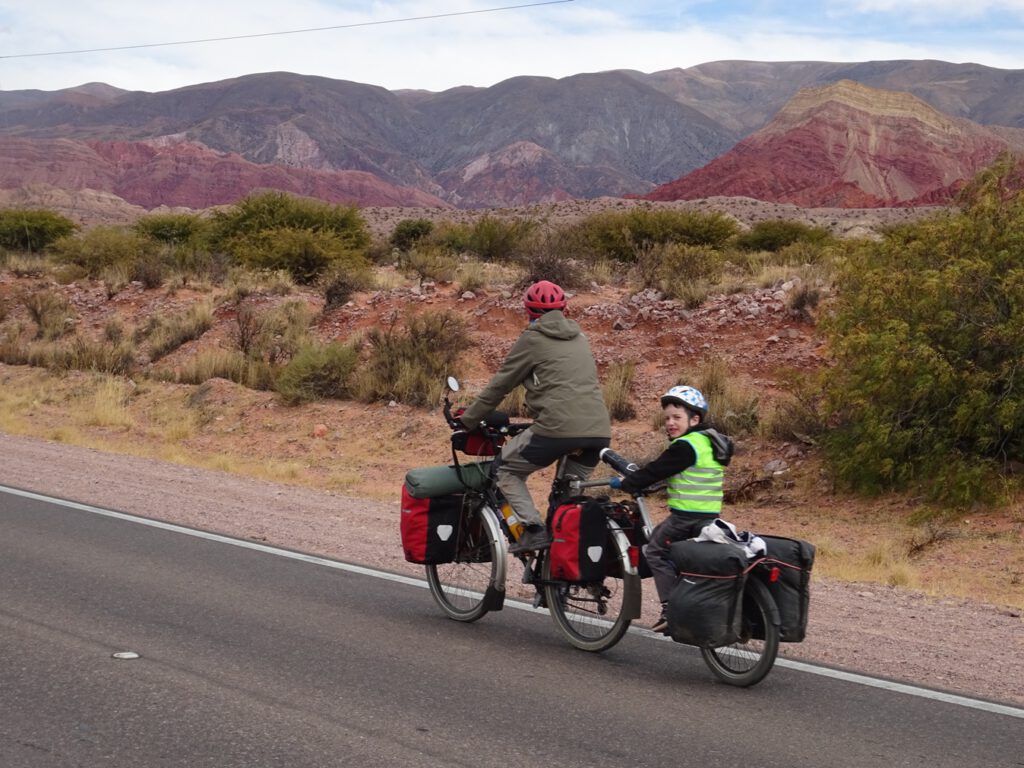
x=673 y=267
x=926 y=339
x=173 y=229
x=409 y=364
x=279 y=210
x=317 y=371
x=304 y=253
x=340 y=284
x=429 y=262
x=622 y=235
x=543 y=262
x=409 y=232
x=452 y=236
x=28 y=229
x=101 y=247
x=776 y=234
x=494 y=239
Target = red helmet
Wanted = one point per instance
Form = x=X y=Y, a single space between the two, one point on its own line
x=542 y=296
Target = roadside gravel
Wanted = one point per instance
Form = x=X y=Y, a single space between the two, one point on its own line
x=971 y=649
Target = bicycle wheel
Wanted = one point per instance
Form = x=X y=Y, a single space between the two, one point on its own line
x=465 y=588
x=747 y=661
x=595 y=616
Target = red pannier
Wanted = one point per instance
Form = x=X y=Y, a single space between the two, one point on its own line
x=430 y=527
x=580 y=546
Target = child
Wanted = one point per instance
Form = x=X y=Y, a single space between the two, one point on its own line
x=694 y=465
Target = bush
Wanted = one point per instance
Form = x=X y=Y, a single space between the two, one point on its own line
x=304 y=253
x=544 y=262
x=278 y=210
x=410 y=364
x=168 y=334
x=317 y=371
x=26 y=229
x=673 y=268
x=429 y=262
x=173 y=229
x=101 y=247
x=408 y=232
x=926 y=388
x=221 y=364
x=494 y=239
x=733 y=406
x=621 y=236
x=273 y=335
x=51 y=313
x=339 y=285
x=617 y=390
x=776 y=234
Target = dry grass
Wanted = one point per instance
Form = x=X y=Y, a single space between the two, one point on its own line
x=108 y=405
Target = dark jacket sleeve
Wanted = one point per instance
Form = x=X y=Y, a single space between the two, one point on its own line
x=674 y=459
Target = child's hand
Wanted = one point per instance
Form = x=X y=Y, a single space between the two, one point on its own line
x=615 y=482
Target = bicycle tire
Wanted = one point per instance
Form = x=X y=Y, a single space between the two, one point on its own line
x=749 y=660
x=580 y=611
x=466 y=588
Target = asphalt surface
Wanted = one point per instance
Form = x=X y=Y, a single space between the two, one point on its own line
x=250 y=659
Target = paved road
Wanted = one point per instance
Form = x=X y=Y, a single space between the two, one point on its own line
x=250 y=659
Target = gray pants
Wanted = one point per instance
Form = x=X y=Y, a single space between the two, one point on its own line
x=527 y=453
x=676 y=527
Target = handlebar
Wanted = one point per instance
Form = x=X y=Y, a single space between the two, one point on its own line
x=620 y=464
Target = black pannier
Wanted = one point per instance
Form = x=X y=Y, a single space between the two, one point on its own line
x=786 y=572
x=705 y=605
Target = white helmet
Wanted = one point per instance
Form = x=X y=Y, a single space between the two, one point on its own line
x=688 y=397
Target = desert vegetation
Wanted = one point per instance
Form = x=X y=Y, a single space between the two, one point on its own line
x=922 y=322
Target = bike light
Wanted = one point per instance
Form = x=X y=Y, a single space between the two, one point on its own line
x=773 y=575
x=634 y=556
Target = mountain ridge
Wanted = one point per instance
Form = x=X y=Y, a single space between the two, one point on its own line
x=615 y=133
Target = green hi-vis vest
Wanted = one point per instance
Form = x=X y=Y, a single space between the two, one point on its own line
x=697 y=488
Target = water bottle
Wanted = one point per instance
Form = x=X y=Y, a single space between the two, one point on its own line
x=515 y=525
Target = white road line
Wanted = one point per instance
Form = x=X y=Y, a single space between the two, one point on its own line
x=836 y=674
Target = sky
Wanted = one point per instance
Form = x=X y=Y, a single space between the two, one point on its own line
x=440 y=44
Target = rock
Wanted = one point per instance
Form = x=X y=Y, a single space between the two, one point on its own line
x=320 y=431
x=776 y=466
x=468 y=295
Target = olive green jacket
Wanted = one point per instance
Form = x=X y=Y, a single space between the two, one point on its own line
x=552 y=360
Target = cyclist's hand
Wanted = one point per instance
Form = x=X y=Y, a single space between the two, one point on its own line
x=454 y=422
x=615 y=482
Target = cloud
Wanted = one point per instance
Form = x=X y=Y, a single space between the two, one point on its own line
x=479 y=49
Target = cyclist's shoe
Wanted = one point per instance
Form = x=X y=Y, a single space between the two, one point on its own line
x=534 y=538
x=661 y=625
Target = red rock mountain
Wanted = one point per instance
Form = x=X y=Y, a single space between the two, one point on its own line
x=178 y=173
x=850 y=146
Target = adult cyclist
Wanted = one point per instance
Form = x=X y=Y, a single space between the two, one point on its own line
x=553 y=361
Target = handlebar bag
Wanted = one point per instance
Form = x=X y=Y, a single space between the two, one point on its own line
x=580 y=546
x=705 y=605
x=430 y=527
x=483 y=442
x=786 y=572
